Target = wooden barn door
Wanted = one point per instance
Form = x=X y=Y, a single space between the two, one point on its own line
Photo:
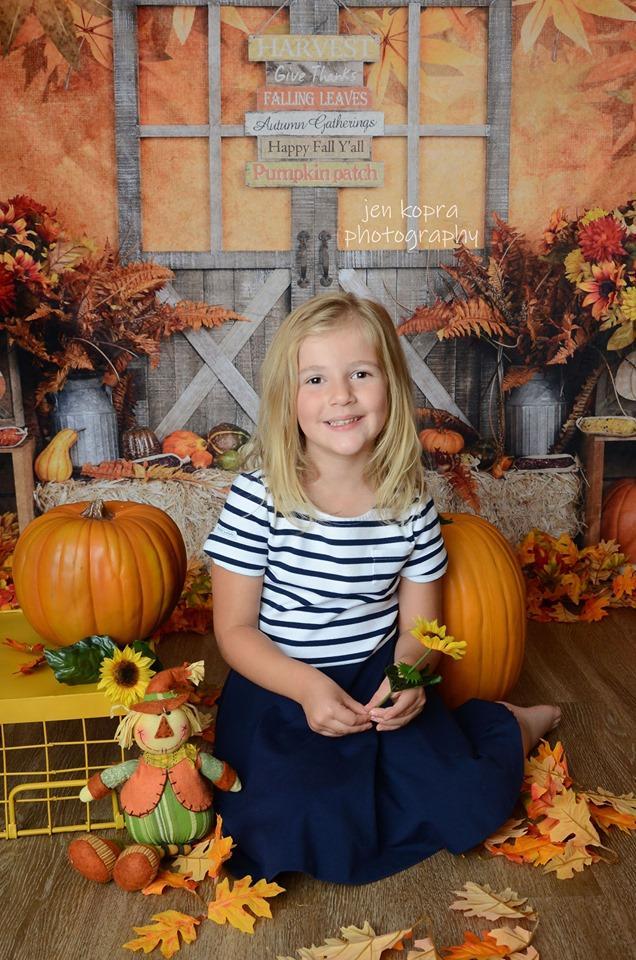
x=267 y=250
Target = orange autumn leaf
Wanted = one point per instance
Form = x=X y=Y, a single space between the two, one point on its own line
x=231 y=903
x=475 y=949
x=164 y=933
x=528 y=849
x=220 y=849
x=570 y=818
x=594 y=608
x=31 y=665
x=166 y=878
x=23 y=647
x=607 y=817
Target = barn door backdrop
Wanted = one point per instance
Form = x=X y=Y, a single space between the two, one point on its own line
x=312 y=145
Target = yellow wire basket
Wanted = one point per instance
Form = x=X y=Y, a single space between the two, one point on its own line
x=53 y=737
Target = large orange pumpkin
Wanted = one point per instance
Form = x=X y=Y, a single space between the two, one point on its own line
x=618 y=518
x=484 y=604
x=114 y=568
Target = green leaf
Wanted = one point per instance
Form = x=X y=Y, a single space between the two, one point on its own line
x=80 y=662
x=144 y=648
x=403 y=676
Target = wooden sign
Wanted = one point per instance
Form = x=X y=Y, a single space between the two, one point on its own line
x=313 y=98
x=314 y=148
x=313 y=47
x=312 y=123
x=328 y=173
x=311 y=72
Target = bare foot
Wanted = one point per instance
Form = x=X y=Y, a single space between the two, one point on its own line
x=535 y=722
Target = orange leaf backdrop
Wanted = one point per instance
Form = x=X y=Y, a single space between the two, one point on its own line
x=572 y=136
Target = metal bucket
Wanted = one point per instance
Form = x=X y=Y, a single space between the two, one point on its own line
x=85 y=405
x=534 y=414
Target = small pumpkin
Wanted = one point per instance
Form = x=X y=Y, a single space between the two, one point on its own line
x=139 y=442
x=54 y=463
x=183 y=442
x=440 y=440
x=226 y=436
x=112 y=568
x=201 y=459
x=484 y=602
x=618 y=517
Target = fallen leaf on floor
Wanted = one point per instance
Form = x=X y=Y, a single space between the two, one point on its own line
x=483 y=901
x=569 y=818
x=607 y=817
x=220 y=849
x=424 y=950
x=195 y=863
x=475 y=949
x=623 y=802
x=514 y=940
x=164 y=933
x=357 y=943
x=166 y=878
x=231 y=904
x=573 y=859
x=510 y=829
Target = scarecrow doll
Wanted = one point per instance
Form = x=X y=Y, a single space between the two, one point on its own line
x=166 y=797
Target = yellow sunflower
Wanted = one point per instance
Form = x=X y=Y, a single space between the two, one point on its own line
x=125 y=676
x=430 y=634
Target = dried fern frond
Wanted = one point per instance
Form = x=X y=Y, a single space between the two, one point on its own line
x=427 y=318
x=134 y=280
x=516 y=377
x=186 y=314
x=474 y=317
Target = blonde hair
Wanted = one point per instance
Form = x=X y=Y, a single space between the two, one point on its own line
x=394 y=469
x=125 y=732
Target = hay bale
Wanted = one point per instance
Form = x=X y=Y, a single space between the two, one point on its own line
x=521 y=500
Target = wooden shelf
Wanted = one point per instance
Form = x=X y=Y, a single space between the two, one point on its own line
x=593 y=459
x=22 y=463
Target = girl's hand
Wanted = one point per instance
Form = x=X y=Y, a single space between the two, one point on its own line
x=330 y=711
x=405 y=707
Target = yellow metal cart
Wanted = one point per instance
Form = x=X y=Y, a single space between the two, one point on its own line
x=53 y=737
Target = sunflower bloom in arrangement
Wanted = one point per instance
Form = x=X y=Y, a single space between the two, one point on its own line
x=433 y=636
x=125 y=676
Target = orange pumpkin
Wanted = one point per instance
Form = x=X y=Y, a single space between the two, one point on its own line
x=439 y=440
x=484 y=604
x=114 y=568
x=183 y=442
x=618 y=518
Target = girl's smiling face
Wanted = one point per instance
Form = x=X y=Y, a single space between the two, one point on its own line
x=342 y=402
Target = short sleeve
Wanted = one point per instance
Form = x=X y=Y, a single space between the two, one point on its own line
x=240 y=538
x=429 y=560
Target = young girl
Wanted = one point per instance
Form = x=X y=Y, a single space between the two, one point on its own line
x=324 y=554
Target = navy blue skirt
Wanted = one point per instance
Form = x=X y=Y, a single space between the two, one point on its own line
x=357 y=808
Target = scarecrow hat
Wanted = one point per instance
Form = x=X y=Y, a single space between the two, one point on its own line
x=169 y=689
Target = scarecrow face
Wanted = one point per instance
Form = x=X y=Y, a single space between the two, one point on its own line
x=163 y=732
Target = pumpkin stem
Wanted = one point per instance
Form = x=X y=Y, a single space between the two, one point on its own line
x=96 y=510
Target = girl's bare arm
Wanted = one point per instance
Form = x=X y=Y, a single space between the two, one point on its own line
x=251 y=653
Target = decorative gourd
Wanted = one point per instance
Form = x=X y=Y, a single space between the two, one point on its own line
x=183 y=442
x=618 y=517
x=139 y=442
x=484 y=604
x=115 y=568
x=439 y=440
x=226 y=436
x=201 y=458
x=54 y=463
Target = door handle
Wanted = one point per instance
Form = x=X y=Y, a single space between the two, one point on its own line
x=323 y=258
x=301 y=256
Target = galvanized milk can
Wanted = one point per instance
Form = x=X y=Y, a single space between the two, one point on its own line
x=85 y=405
x=534 y=414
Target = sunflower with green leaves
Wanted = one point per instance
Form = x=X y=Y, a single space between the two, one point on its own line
x=124 y=676
x=432 y=635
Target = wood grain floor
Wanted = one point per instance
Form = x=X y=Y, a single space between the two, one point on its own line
x=51 y=913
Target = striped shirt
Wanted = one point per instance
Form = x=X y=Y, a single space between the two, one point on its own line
x=329 y=593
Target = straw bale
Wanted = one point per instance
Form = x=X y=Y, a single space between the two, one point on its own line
x=516 y=503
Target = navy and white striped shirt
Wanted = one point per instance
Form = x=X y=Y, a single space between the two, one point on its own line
x=329 y=590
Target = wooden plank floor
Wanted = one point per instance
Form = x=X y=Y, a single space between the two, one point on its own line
x=51 y=913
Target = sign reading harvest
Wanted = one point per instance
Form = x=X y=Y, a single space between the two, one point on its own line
x=313 y=122
x=318 y=47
